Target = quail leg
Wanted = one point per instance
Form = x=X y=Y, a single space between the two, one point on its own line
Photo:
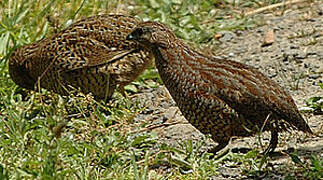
x=221 y=144
x=273 y=142
x=123 y=92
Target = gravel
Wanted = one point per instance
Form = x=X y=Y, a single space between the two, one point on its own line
x=294 y=60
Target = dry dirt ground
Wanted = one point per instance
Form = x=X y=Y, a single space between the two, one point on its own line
x=294 y=60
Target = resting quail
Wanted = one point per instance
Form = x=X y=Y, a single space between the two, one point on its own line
x=92 y=54
x=220 y=97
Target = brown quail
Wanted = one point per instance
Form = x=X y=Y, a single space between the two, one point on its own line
x=220 y=97
x=92 y=54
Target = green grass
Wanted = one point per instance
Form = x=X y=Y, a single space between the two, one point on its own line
x=46 y=136
x=316 y=103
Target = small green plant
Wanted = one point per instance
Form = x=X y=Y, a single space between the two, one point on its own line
x=46 y=136
x=312 y=170
x=316 y=103
x=3 y=173
x=316 y=168
x=253 y=163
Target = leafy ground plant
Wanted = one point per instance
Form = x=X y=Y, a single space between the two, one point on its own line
x=46 y=136
x=316 y=103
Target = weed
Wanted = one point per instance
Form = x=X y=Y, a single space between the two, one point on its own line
x=46 y=136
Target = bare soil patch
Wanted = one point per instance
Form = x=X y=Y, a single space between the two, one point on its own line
x=294 y=60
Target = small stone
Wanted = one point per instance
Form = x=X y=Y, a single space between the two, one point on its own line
x=269 y=38
x=239 y=32
x=217 y=36
x=293 y=46
x=272 y=75
x=311 y=53
x=68 y=22
x=306 y=109
x=314 y=76
x=285 y=57
x=227 y=36
x=301 y=56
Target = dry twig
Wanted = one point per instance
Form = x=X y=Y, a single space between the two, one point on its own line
x=285 y=3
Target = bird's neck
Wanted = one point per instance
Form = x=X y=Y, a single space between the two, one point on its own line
x=177 y=66
x=178 y=60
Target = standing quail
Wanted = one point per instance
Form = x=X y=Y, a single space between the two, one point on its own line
x=220 y=97
x=92 y=54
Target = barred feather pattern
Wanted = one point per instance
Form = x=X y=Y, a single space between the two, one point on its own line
x=92 y=54
x=220 y=97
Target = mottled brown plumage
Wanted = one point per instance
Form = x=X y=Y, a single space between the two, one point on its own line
x=92 y=54
x=220 y=97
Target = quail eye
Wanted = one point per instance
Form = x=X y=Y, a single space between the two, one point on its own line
x=140 y=31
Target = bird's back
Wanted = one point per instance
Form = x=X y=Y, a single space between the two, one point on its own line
x=250 y=94
x=83 y=56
